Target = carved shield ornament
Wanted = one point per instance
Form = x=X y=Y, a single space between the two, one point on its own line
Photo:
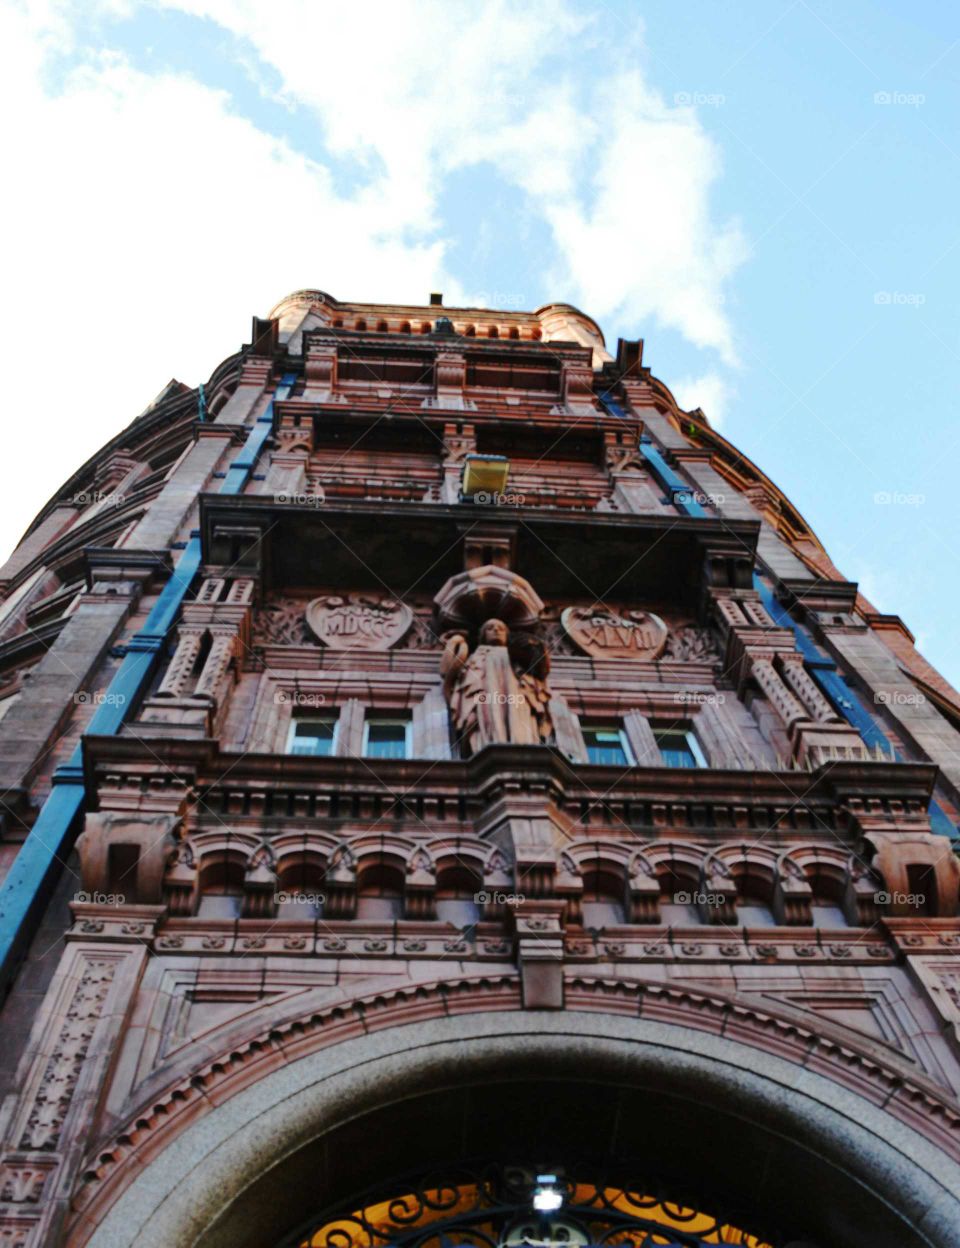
x=358 y=621
x=601 y=633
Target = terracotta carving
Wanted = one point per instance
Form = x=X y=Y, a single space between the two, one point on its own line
x=605 y=635
x=498 y=693
x=359 y=621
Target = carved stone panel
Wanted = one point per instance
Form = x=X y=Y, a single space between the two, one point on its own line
x=606 y=635
x=359 y=621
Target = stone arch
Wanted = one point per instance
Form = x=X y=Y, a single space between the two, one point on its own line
x=223 y=1149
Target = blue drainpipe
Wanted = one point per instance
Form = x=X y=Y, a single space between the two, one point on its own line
x=678 y=492
x=36 y=868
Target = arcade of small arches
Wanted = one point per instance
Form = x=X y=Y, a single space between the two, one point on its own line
x=219 y=874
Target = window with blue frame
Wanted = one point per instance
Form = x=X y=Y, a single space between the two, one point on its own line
x=386 y=738
x=606 y=745
x=313 y=736
x=679 y=747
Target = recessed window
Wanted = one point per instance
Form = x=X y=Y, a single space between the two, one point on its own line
x=313 y=736
x=606 y=744
x=386 y=738
x=679 y=747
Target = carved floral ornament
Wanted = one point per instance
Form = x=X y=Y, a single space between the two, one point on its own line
x=605 y=635
x=358 y=621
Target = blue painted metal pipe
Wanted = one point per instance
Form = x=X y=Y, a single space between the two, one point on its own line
x=682 y=495
x=28 y=884
x=679 y=492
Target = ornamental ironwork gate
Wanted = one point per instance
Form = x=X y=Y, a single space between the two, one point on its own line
x=522 y=1207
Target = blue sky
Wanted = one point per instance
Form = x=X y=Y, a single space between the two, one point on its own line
x=765 y=192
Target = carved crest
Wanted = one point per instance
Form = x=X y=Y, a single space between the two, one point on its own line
x=601 y=633
x=359 y=621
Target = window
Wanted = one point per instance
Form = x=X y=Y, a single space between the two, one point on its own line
x=312 y=736
x=606 y=744
x=679 y=747
x=386 y=738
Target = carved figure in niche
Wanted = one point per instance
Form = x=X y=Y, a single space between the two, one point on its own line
x=499 y=692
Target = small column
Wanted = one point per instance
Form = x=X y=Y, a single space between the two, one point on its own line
x=350 y=729
x=181 y=665
x=780 y=697
x=431 y=726
x=450 y=377
x=566 y=727
x=222 y=650
x=459 y=441
x=801 y=682
x=642 y=741
x=320 y=371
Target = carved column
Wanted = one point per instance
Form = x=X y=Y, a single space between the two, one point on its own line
x=181 y=666
x=222 y=610
x=222 y=650
x=320 y=370
x=459 y=441
x=290 y=460
x=576 y=386
x=787 y=706
x=632 y=489
x=758 y=649
x=450 y=379
x=801 y=682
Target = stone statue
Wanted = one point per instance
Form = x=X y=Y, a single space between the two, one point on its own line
x=499 y=692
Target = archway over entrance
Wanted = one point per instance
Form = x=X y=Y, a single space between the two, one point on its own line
x=782 y=1151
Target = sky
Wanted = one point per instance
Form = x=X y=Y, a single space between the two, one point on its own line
x=765 y=191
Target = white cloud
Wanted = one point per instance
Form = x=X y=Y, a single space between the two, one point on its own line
x=151 y=220
x=622 y=179
x=150 y=223
x=711 y=392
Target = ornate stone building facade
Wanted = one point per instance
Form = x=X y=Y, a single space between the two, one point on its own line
x=450 y=796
